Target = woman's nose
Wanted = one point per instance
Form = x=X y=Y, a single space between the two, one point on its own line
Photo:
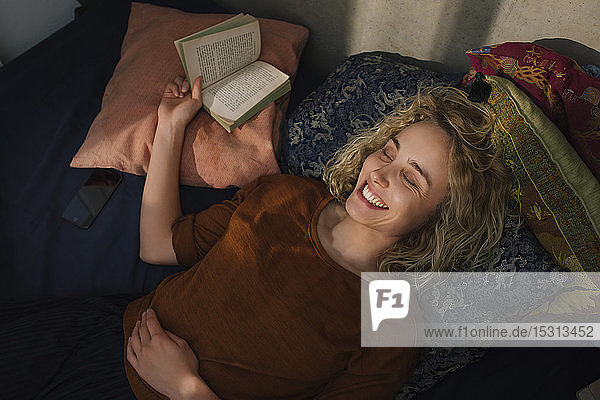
x=379 y=176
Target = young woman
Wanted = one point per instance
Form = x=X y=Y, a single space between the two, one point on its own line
x=270 y=305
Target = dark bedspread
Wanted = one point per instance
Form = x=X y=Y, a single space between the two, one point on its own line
x=50 y=96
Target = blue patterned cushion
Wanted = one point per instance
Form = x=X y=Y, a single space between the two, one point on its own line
x=592 y=69
x=355 y=96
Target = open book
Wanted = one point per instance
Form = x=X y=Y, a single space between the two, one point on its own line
x=235 y=86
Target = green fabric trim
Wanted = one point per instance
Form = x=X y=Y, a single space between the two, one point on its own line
x=575 y=173
x=544 y=162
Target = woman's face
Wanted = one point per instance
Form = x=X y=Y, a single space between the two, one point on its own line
x=402 y=184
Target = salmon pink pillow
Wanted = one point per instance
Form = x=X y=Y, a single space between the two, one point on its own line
x=121 y=135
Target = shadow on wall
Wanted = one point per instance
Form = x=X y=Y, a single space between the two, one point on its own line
x=320 y=45
x=467 y=26
x=321 y=53
x=458 y=25
x=576 y=51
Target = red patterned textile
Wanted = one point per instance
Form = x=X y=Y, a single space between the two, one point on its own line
x=557 y=84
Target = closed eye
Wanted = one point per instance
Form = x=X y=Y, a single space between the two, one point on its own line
x=386 y=155
x=407 y=179
x=424 y=174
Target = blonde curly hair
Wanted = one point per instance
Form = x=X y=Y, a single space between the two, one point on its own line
x=463 y=233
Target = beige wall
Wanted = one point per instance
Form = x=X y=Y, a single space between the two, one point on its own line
x=434 y=31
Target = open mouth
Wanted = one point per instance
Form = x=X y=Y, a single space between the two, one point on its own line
x=372 y=198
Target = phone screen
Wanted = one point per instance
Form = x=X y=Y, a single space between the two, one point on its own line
x=87 y=203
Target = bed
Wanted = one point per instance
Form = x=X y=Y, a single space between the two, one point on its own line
x=50 y=97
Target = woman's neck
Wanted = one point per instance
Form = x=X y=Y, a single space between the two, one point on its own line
x=353 y=246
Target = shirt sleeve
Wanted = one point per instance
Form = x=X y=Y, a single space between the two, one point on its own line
x=195 y=234
x=378 y=373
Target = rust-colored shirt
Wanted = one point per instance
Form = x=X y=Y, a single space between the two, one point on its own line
x=268 y=313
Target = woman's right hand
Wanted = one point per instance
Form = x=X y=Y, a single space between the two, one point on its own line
x=160 y=200
x=177 y=107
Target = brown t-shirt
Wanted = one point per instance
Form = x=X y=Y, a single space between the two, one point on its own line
x=267 y=312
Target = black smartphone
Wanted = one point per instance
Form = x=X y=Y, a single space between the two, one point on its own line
x=91 y=197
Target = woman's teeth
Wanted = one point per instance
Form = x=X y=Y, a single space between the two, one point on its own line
x=371 y=198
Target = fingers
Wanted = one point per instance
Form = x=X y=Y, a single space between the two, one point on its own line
x=152 y=322
x=144 y=332
x=180 y=87
x=176 y=87
x=171 y=90
x=141 y=335
x=131 y=354
x=197 y=89
x=134 y=346
x=185 y=86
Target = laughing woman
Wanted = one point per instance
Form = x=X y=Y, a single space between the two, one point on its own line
x=270 y=304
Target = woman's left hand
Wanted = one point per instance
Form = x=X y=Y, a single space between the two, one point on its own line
x=164 y=360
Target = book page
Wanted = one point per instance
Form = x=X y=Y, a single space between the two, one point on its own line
x=219 y=55
x=233 y=22
x=238 y=93
x=221 y=26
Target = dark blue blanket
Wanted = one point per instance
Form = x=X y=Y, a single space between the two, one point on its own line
x=50 y=96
